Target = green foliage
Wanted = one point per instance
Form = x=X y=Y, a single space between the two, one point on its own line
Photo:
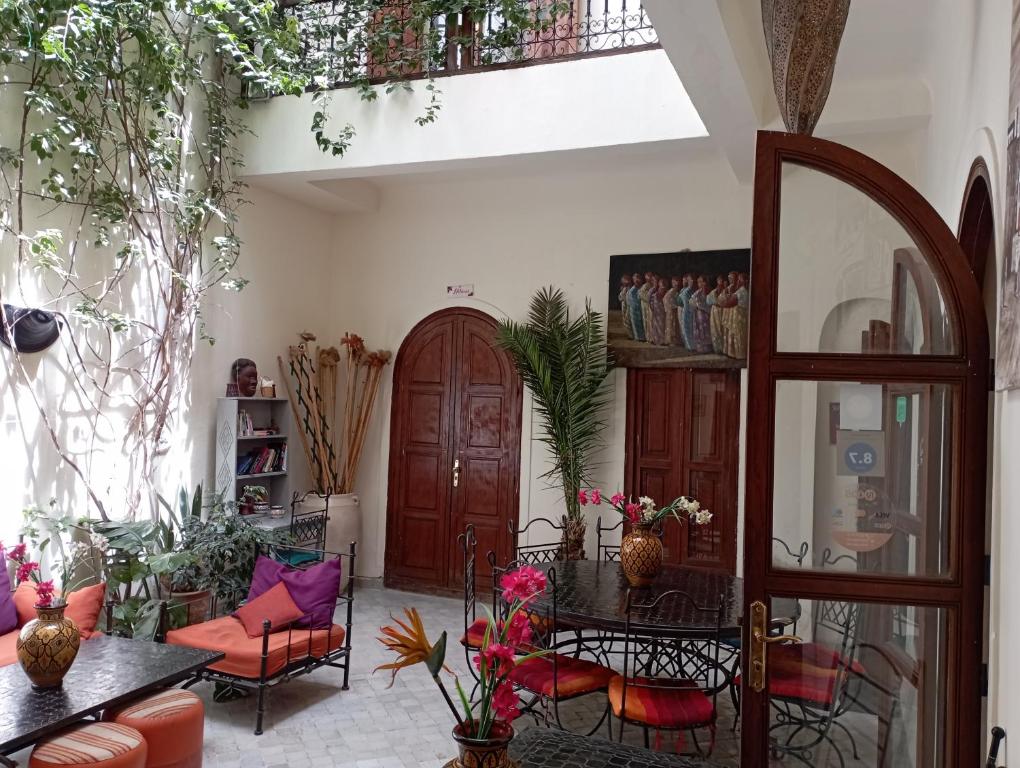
x=565 y=364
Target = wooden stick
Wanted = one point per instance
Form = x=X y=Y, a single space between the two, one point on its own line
x=372 y=385
x=297 y=416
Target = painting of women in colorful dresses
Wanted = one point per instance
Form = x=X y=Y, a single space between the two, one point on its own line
x=688 y=308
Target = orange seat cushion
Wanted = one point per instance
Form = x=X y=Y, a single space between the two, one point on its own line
x=83 y=606
x=275 y=605
x=8 y=648
x=172 y=722
x=244 y=654
x=100 y=744
x=789 y=658
x=571 y=677
x=475 y=635
x=661 y=703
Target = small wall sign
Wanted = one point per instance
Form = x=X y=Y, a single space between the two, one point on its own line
x=460 y=291
x=860 y=453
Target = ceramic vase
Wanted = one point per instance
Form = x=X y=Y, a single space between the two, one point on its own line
x=47 y=646
x=344 y=525
x=484 y=753
x=641 y=556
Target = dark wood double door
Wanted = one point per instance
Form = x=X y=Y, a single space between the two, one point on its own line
x=683 y=429
x=454 y=450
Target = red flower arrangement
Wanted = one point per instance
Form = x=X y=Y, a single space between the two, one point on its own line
x=28 y=570
x=505 y=645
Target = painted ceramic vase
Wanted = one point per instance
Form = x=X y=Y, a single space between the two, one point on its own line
x=484 y=753
x=641 y=556
x=47 y=646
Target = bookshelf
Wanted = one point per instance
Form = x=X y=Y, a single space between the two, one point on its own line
x=264 y=458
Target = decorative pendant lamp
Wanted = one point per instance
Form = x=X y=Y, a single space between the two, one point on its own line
x=802 y=37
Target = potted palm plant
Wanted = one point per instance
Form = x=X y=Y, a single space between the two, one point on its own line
x=563 y=360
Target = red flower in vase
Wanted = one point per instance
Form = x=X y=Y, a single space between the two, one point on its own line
x=17 y=553
x=497 y=657
x=26 y=571
x=523 y=584
x=505 y=703
x=518 y=632
x=634 y=513
x=44 y=591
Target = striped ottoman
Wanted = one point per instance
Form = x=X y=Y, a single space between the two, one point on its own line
x=172 y=722
x=97 y=744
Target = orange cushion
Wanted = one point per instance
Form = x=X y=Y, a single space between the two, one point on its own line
x=172 y=722
x=100 y=744
x=83 y=606
x=573 y=677
x=475 y=635
x=8 y=648
x=244 y=654
x=662 y=704
x=789 y=658
x=274 y=604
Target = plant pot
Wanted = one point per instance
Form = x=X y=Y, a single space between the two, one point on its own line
x=484 y=753
x=641 y=556
x=344 y=525
x=47 y=646
x=198 y=605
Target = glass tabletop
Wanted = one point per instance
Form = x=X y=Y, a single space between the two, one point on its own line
x=550 y=748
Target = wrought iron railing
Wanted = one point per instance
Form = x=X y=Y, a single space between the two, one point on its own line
x=337 y=35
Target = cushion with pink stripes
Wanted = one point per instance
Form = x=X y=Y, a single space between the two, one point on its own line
x=89 y=744
x=160 y=705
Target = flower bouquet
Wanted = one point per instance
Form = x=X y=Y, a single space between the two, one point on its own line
x=47 y=645
x=483 y=728
x=641 y=548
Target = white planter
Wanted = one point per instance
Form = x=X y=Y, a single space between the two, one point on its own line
x=344 y=522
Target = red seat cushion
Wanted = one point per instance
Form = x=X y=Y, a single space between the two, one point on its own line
x=475 y=635
x=661 y=703
x=244 y=654
x=571 y=677
x=275 y=604
x=812 y=684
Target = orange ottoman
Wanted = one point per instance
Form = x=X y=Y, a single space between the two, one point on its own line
x=172 y=722
x=109 y=745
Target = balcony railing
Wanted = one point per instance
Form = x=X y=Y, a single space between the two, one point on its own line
x=352 y=45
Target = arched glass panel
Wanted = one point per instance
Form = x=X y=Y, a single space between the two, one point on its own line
x=851 y=278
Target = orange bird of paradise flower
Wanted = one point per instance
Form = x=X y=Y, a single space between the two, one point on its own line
x=412 y=646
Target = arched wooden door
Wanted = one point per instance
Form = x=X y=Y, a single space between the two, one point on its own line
x=866 y=425
x=454 y=450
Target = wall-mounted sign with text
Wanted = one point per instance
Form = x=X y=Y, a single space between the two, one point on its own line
x=460 y=291
x=860 y=453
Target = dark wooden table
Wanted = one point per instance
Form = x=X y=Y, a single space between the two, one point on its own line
x=549 y=748
x=593 y=594
x=109 y=671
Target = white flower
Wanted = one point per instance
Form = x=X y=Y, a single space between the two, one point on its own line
x=692 y=505
x=647 y=502
x=100 y=542
x=80 y=549
x=702 y=517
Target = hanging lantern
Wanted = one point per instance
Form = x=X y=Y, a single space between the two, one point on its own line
x=802 y=37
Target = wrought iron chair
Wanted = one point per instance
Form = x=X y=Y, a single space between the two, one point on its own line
x=307 y=530
x=674 y=691
x=536 y=554
x=607 y=553
x=474 y=627
x=552 y=678
x=798 y=556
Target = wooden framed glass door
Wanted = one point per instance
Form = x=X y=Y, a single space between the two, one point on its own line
x=866 y=430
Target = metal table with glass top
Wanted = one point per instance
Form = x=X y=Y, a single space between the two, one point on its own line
x=550 y=748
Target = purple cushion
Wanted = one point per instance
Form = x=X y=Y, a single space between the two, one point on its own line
x=314 y=589
x=8 y=613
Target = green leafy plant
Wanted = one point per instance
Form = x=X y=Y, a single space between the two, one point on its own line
x=564 y=362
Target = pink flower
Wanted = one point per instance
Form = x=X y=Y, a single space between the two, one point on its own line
x=518 y=632
x=522 y=584
x=44 y=592
x=582 y=497
x=633 y=512
x=617 y=499
x=17 y=553
x=497 y=657
x=25 y=571
x=596 y=496
x=505 y=702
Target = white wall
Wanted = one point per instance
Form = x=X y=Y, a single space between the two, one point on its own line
x=567 y=105
x=509 y=236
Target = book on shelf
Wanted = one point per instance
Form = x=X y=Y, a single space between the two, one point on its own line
x=245 y=427
x=262 y=460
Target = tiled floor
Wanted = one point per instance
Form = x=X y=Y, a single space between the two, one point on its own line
x=310 y=722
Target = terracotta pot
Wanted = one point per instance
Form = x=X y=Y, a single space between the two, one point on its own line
x=641 y=556
x=344 y=524
x=47 y=646
x=485 y=753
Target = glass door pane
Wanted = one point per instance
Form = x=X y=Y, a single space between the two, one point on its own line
x=862 y=479
x=862 y=688
x=851 y=278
